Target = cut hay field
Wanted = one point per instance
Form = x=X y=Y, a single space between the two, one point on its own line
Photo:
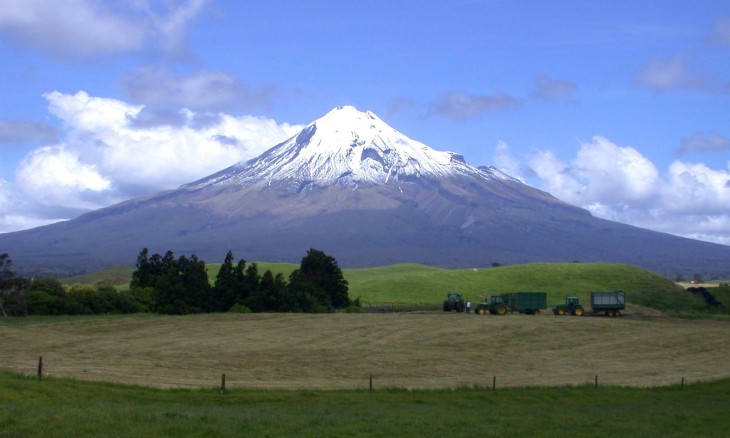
x=341 y=351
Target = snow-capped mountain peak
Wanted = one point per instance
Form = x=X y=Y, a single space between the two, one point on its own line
x=349 y=147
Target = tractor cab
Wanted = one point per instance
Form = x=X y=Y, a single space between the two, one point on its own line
x=571 y=301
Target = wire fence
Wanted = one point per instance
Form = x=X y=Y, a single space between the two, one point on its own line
x=44 y=369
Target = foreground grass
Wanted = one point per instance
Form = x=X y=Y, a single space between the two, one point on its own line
x=64 y=407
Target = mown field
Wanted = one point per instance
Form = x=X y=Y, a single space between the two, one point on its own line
x=63 y=407
x=341 y=351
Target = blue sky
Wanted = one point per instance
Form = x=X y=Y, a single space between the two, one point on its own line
x=620 y=107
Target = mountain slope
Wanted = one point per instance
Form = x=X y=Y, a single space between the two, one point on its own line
x=358 y=189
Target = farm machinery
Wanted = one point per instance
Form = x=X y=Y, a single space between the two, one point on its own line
x=494 y=305
x=454 y=301
x=522 y=302
x=608 y=303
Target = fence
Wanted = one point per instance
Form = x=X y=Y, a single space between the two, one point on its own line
x=377 y=381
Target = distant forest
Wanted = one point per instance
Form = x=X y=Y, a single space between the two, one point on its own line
x=169 y=285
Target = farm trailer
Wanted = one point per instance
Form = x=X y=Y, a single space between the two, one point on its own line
x=522 y=302
x=608 y=303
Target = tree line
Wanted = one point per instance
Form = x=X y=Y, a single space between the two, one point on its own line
x=179 y=285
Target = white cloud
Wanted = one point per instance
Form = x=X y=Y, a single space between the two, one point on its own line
x=553 y=89
x=460 y=105
x=720 y=35
x=105 y=157
x=694 y=187
x=669 y=74
x=20 y=132
x=69 y=28
x=204 y=90
x=699 y=142
x=53 y=176
x=621 y=184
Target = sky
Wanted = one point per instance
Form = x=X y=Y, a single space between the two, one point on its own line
x=619 y=107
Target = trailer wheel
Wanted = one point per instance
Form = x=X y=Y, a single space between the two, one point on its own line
x=561 y=312
x=578 y=311
x=500 y=309
x=536 y=311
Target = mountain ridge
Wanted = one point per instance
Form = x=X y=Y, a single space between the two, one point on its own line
x=356 y=188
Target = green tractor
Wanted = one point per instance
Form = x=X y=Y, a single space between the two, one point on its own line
x=495 y=305
x=454 y=301
x=571 y=306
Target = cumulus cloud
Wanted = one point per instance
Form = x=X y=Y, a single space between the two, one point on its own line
x=459 y=105
x=621 y=184
x=70 y=28
x=217 y=91
x=720 y=35
x=553 y=89
x=669 y=74
x=20 y=132
x=700 y=142
x=104 y=156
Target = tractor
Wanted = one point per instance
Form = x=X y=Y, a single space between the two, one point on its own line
x=454 y=301
x=495 y=305
x=571 y=306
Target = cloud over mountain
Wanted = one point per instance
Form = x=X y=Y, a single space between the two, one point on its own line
x=619 y=183
x=105 y=156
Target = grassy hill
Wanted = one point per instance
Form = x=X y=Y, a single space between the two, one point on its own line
x=419 y=284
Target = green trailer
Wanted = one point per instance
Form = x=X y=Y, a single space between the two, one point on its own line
x=526 y=302
x=608 y=303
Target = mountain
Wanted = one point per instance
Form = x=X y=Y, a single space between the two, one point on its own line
x=353 y=186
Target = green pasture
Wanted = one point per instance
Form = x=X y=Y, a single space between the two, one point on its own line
x=59 y=407
x=419 y=284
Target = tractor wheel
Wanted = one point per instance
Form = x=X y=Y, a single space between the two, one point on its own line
x=482 y=311
x=561 y=312
x=500 y=309
x=578 y=311
x=446 y=306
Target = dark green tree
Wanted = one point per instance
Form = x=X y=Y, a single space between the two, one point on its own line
x=319 y=278
x=14 y=291
x=226 y=291
x=195 y=285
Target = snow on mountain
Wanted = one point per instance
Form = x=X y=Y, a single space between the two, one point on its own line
x=346 y=147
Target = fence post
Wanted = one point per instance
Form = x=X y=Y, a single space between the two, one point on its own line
x=371 y=383
x=596 y=385
x=223 y=383
x=40 y=368
x=682 y=385
x=494 y=383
